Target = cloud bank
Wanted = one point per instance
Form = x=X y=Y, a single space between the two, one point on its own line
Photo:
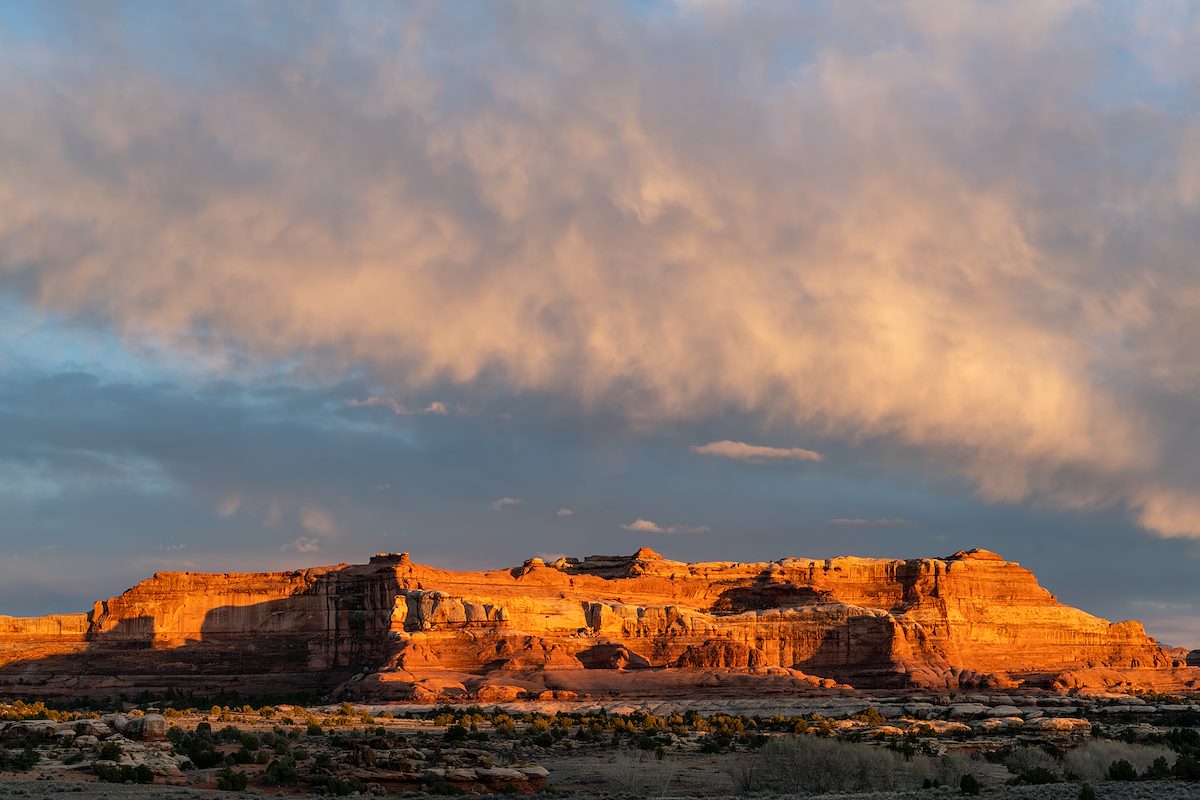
x=963 y=235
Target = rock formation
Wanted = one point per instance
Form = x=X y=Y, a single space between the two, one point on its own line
x=604 y=625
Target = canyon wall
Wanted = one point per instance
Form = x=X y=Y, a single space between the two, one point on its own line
x=612 y=625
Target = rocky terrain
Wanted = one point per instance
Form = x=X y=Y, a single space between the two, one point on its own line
x=631 y=626
x=904 y=747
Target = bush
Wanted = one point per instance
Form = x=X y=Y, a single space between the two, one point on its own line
x=1086 y=792
x=1024 y=759
x=1158 y=770
x=1122 y=770
x=1187 y=768
x=139 y=774
x=1090 y=762
x=815 y=765
x=281 y=772
x=1038 y=776
x=19 y=761
x=111 y=751
x=231 y=781
x=968 y=784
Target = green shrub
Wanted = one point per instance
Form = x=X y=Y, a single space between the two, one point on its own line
x=111 y=751
x=281 y=772
x=231 y=781
x=111 y=774
x=1086 y=792
x=1038 y=776
x=1122 y=770
x=19 y=761
x=1187 y=768
x=1158 y=770
x=968 y=784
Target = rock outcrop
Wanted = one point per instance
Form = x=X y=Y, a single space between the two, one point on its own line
x=604 y=624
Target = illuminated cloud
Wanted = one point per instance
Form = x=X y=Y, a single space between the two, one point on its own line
x=842 y=522
x=640 y=525
x=504 y=502
x=755 y=453
x=945 y=237
x=317 y=521
x=564 y=512
x=399 y=409
x=303 y=544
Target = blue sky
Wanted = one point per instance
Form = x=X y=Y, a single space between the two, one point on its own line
x=285 y=285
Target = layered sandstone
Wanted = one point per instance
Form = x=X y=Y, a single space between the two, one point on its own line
x=604 y=624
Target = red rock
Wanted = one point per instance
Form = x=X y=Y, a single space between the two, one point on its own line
x=971 y=620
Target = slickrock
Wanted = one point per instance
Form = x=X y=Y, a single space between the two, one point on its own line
x=602 y=626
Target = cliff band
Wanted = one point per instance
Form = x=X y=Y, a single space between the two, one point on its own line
x=393 y=629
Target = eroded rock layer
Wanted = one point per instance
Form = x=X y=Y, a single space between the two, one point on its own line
x=606 y=625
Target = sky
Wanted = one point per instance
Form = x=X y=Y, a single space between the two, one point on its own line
x=291 y=284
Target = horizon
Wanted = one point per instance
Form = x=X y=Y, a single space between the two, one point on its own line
x=285 y=283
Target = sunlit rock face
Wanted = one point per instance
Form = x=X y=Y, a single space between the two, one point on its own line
x=606 y=624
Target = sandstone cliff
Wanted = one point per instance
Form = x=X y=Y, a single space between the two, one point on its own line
x=393 y=628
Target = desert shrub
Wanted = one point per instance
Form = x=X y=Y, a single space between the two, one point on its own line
x=281 y=772
x=111 y=751
x=232 y=781
x=19 y=760
x=250 y=741
x=815 y=765
x=1091 y=761
x=341 y=787
x=455 y=733
x=1159 y=770
x=1122 y=770
x=870 y=716
x=1038 y=776
x=314 y=729
x=112 y=774
x=1086 y=792
x=1025 y=759
x=230 y=733
x=968 y=784
x=642 y=775
x=1187 y=768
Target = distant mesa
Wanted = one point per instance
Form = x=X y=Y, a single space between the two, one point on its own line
x=606 y=626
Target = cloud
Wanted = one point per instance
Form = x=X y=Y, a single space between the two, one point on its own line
x=640 y=525
x=229 y=506
x=949 y=237
x=317 y=521
x=437 y=407
x=303 y=544
x=755 y=453
x=856 y=522
x=504 y=502
x=564 y=512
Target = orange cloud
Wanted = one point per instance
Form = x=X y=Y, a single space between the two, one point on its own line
x=883 y=244
x=755 y=453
